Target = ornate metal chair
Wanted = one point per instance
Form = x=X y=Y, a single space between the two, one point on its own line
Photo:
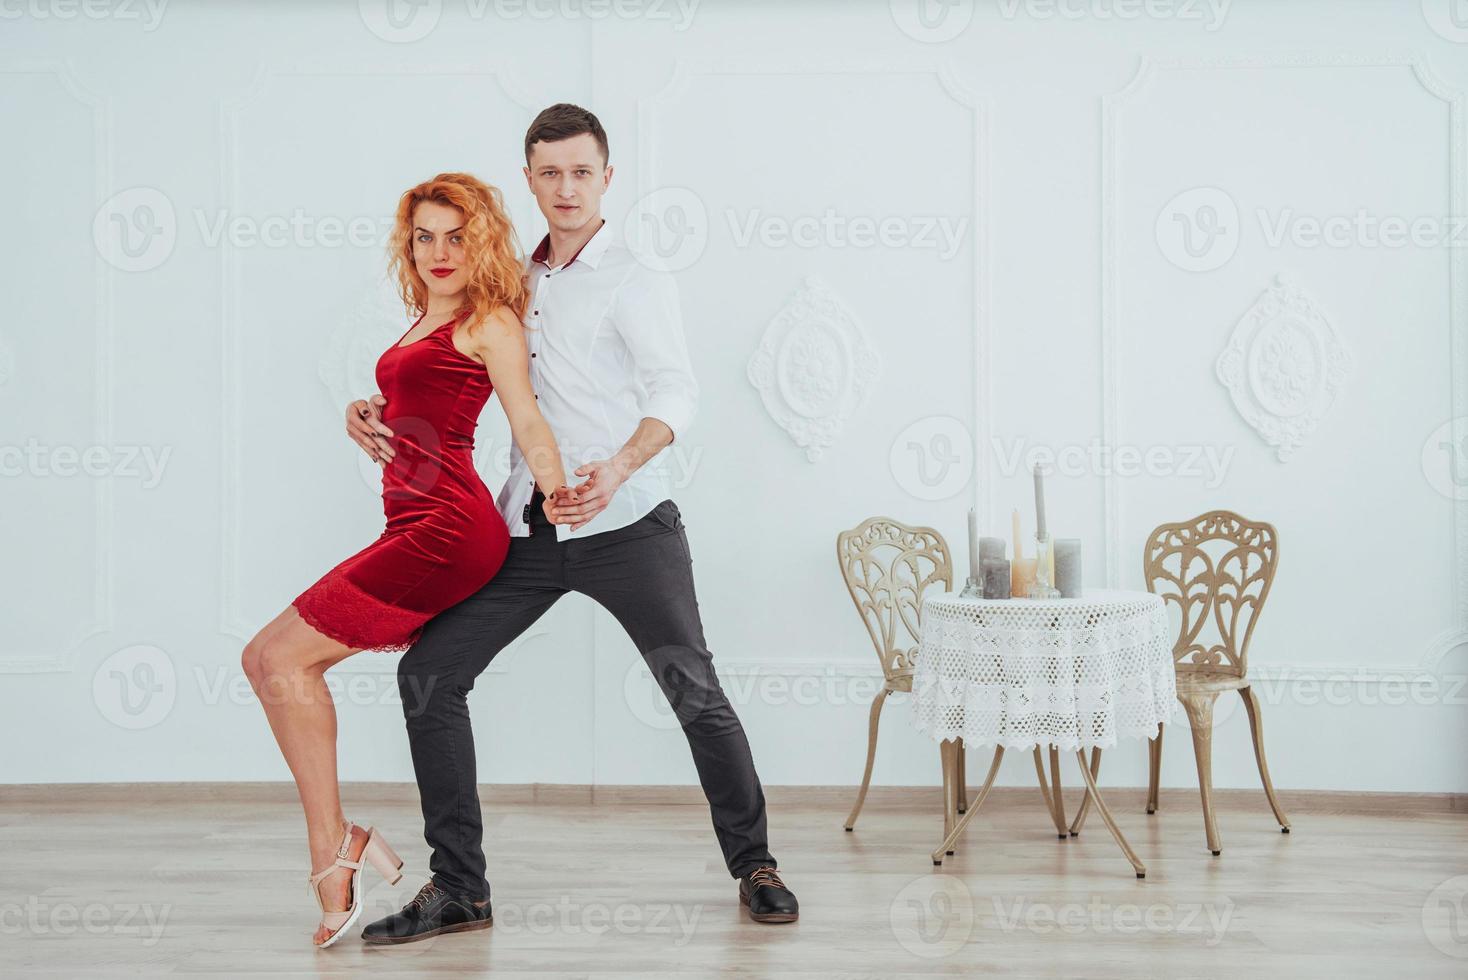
x=1217 y=568
x=888 y=568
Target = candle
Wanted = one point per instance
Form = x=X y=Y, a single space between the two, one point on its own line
x=973 y=545
x=1019 y=551
x=1022 y=576
x=990 y=549
x=1039 y=505
x=1068 y=567
x=996 y=579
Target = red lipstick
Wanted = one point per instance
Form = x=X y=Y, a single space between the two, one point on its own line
x=441 y=272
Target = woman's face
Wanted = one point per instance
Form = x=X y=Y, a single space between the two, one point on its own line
x=438 y=248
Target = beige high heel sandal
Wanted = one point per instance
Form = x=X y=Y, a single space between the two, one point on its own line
x=379 y=854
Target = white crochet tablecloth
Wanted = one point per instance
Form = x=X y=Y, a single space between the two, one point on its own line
x=1073 y=673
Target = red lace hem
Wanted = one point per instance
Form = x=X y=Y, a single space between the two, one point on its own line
x=340 y=611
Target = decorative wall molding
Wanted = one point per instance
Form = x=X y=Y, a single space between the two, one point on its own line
x=232 y=620
x=1457 y=165
x=814 y=367
x=100 y=617
x=1283 y=366
x=686 y=70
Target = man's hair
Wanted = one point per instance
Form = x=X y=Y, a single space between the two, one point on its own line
x=561 y=122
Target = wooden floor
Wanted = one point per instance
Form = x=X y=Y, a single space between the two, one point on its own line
x=208 y=880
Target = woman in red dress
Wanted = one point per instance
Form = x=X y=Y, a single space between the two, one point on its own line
x=454 y=254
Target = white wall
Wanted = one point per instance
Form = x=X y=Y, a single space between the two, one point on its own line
x=1053 y=142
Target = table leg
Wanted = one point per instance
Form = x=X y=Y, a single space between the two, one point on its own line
x=1060 y=825
x=1080 y=820
x=1102 y=809
x=952 y=838
x=1053 y=803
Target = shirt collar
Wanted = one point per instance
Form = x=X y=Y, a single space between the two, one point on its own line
x=589 y=253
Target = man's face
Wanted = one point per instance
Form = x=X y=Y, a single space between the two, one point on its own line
x=568 y=178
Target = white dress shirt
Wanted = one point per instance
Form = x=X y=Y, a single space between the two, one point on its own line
x=606 y=351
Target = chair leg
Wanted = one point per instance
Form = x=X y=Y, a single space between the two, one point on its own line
x=1154 y=769
x=962 y=778
x=1256 y=729
x=1200 y=717
x=1080 y=820
x=866 y=779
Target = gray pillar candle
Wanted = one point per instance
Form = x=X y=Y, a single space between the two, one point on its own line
x=990 y=548
x=996 y=578
x=1068 y=567
x=1039 y=505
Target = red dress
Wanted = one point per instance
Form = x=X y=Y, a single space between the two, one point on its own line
x=444 y=538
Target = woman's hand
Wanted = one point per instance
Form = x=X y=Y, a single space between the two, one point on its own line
x=364 y=425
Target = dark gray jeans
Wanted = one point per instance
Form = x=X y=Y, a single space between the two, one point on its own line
x=643 y=575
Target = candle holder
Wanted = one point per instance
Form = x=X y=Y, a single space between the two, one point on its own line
x=972 y=589
x=1044 y=585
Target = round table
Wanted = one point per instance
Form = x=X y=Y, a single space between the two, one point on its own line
x=1070 y=674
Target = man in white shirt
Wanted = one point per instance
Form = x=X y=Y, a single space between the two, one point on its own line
x=610 y=368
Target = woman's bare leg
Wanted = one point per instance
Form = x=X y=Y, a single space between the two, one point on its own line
x=286 y=663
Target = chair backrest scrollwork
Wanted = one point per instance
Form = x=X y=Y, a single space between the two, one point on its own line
x=1217 y=569
x=888 y=568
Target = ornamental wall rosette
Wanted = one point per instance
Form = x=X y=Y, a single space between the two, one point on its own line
x=814 y=367
x=1284 y=366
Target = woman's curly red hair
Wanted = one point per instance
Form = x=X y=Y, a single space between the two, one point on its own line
x=491 y=251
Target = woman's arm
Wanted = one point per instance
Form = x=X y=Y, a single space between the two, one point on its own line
x=500 y=344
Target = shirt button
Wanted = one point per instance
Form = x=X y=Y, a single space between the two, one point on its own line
x=532 y=353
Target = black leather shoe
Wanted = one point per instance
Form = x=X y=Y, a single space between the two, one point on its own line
x=432 y=912
x=767 y=897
